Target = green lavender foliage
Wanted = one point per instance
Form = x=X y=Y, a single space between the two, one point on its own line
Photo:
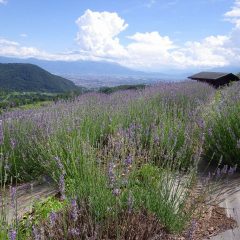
x=223 y=127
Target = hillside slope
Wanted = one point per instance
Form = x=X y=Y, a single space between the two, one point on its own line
x=31 y=78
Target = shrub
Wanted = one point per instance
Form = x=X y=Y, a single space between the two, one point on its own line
x=223 y=127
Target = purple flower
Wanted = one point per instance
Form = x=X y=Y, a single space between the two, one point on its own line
x=36 y=234
x=232 y=170
x=130 y=202
x=156 y=140
x=111 y=174
x=128 y=161
x=116 y=192
x=201 y=123
x=127 y=165
x=74 y=210
x=53 y=218
x=74 y=232
x=60 y=165
x=12 y=234
x=13 y=143
x=210 y=132
x=224 y=169
x=1 y=132
x=62 y=187
x=192 y=230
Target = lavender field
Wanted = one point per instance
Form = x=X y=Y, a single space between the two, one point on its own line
x=125 y=164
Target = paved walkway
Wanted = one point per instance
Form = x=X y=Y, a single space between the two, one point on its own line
x=229 y=197
x=26 y=195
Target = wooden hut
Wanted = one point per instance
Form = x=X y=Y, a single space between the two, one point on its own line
x=216 y=79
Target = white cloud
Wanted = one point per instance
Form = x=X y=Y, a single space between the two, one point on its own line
x=166 y=4
x=235 y=12
x=98 y=39
x=150 y=3
x=151 y=50
x=153 y=38
x=7 y=42
x=23 y=35
x=14 y=49
x=3 y=1
x=210 y=52
x=217 y=50
x=98 y=33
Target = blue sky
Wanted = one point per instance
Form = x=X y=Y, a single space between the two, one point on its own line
x=143 y=34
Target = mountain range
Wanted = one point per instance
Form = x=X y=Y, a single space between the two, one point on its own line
x=23 y=77
x=104 y=68
x=101 y=68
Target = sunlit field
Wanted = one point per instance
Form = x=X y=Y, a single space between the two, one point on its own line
x=125 y=164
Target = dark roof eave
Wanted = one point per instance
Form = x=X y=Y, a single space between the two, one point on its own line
x=209 y=75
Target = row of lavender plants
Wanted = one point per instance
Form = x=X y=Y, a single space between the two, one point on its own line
x=222 y=125
x=114 y=157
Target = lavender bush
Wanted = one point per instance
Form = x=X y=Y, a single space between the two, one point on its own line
x=223 y=127
x=113 y=154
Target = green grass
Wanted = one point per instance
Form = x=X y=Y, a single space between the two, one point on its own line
x=109 y=90
x=41 y=213
x=12 y=100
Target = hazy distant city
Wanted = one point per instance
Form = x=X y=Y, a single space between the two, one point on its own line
x=97 y=81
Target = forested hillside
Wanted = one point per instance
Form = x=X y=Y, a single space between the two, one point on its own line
x=31 y=78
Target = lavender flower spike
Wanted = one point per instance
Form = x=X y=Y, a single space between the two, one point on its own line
x=74 y=210
x=62 y=187
x=1 y=133
x=128 y=160
x=74 y=232
x=116 y=192
x=130 y=202
x=12 y=234
x=53 y=217
x=59 y=164
x=111 y=174
x=13 y=143
x=36 y=234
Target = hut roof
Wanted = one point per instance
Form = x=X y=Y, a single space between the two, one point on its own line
x=209 y=75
